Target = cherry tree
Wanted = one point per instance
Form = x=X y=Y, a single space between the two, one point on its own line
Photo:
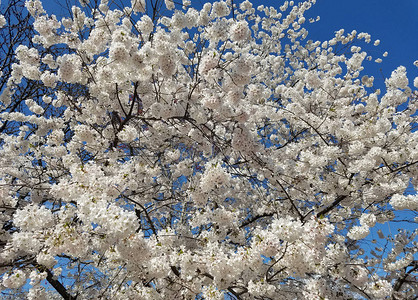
x=161 y=151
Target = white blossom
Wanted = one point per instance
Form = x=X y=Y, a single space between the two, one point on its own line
x=202 y=152
x=398 y=78
x=128 y=134
x=404 y=202
x=2 y=21
x=239 y=31
x=138 y=6
x=14 y=280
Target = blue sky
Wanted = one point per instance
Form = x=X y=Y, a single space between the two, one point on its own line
x=395 y=23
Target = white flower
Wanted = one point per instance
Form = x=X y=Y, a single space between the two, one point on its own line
x=46 y=260
x=145 y=25
x=209 y=61
x=380 y=289
x=214 y=176
x=66 y=69
x=2 y=21
x=49 y=79
x=220 y=9
x=186 y=3
x=398 y=79
x=33 y=218
x=138 y=6
x=260 y=289
x=49 y=60
x=212 y=102
x=287 y=229
x=355 y=62
x=118 y=53
x=358 y=232
x=212 y=293
x=167 y=65
x=368 y=220
x=169 y=4
x=5 y=96
x=240 y=134
x=312 y=79
x=36 y=277
x=14 y=280
x=239 y=31
x=34 y=7
x=400 y=202
x=128 y=134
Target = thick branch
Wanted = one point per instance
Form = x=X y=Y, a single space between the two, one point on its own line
x=403 y=279
x=251 y=220
x=56 y=284
x=334 y=204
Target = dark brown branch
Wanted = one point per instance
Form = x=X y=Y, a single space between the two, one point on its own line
x=175 y=271
x=56 y=284
x=253 y=219
x=329 y=208
x=400 y=281
x=291 y=201
x=403 y=167
x=147 y=216
x=269 y=278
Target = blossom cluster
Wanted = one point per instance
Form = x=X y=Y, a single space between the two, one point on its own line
x=202 y=153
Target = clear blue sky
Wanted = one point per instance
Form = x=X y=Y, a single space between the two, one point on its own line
x=395 y=23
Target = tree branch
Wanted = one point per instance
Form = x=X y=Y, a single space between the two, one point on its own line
x=56 y=284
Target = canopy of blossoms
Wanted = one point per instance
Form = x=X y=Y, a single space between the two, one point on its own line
x=171 y=152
